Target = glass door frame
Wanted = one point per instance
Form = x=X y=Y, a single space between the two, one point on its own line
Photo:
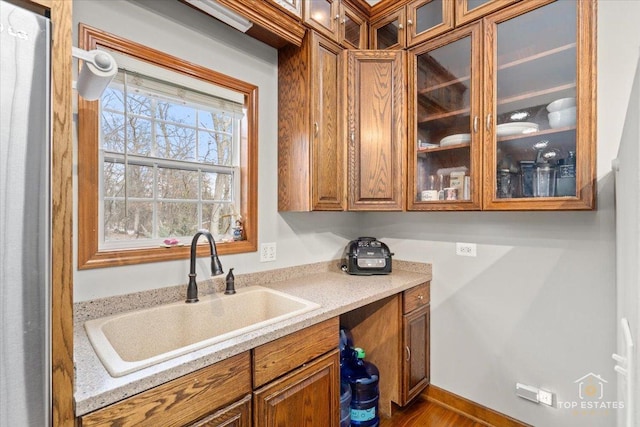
x=475 y=123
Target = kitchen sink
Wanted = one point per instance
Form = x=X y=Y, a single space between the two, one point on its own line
x=130 y=341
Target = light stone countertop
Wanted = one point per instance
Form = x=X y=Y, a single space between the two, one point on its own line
x=323 y=283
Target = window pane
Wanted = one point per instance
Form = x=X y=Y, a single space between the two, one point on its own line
x=140 y=181
x=176 y=113
x=131 y=224
x=217 y=186
x=214 y=148
x=139 y=104
x=113 y=99
x=215 y=121
x=139 y=136
x=177 y=184
x=217 y=218
x=175 y=142
x=112 y=126
x=177 y=219
x=113 y=179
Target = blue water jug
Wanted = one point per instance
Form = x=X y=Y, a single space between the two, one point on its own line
x=363 y=377
x=345 y=404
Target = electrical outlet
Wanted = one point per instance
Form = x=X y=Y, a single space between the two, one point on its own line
x=545 y=397
x=267 y=252
x=466 y=249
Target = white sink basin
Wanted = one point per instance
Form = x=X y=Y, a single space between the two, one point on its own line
x=134 y=340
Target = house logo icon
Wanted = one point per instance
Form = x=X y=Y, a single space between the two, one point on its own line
x=591 y=387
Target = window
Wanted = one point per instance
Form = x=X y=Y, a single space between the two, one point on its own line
x=162 y=155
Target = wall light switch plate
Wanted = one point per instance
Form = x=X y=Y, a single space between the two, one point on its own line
x=465 y=249
x=268 y=252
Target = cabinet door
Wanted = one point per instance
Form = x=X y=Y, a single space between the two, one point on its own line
x=235 y=415
x=324 y=16
x=328 y=155
x=470 y=10
x=309 y=396
x=389 y=32
x=415 y=375
x=376 y=117
x=427 y=19
x=311 y=149
x=540 y=107
x=445 y=133
x=353 y=29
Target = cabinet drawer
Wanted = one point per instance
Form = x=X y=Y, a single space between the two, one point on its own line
x=278 y=357
x=415 y=297
x=181 y=401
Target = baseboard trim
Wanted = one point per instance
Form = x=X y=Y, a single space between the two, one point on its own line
x=470 y=409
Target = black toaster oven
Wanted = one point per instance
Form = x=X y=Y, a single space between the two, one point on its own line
x=366 y=256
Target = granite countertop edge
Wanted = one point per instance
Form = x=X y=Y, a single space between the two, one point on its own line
x=322 y=283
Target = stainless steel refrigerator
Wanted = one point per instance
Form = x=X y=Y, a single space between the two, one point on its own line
x=25 y=205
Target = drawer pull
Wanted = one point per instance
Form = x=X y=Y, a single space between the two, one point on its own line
x=420 y=297
x=408 y=350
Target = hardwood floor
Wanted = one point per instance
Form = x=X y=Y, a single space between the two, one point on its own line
x=422 y=413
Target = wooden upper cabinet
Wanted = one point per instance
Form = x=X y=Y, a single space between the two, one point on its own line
x=323 y=16
x=376 y=129
x=540 y=106
x=275 y=22
x=414 y=23
x=499 y=131
x=311 y=151
x=470 y=10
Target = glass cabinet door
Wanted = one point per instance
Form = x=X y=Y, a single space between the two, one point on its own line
x=353 y=31
x=427 y=19
x=533 y=118
x=444 y=136
x=323 y=15
x=389 y=32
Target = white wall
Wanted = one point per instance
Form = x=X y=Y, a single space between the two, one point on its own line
x=537 y=305
x=175 y=28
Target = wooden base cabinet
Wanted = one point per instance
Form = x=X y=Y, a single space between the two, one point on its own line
x=308 y=396
x=415 y=367
x=185 y=400
x=394 y=334
x=297 y=378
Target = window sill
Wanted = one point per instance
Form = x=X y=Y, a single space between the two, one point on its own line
x=114 y=258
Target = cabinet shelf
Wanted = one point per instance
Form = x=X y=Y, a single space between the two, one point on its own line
x=540 y=55
x=425 y=151
x=444 y=84
x=431 y=117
